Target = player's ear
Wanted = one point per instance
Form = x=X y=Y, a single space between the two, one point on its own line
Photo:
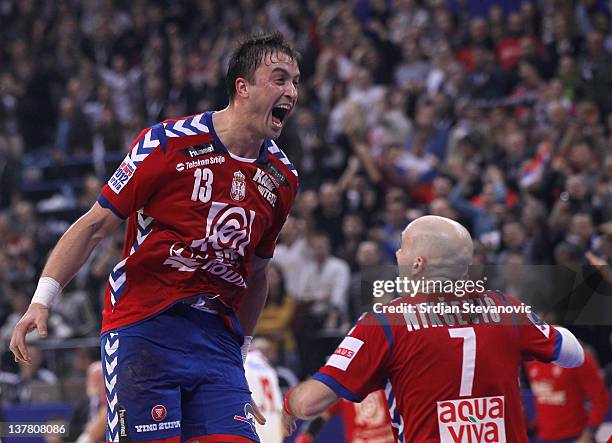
x=418 y=264
x=242 y=87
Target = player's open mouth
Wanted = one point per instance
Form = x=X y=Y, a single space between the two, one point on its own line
x=279 y=113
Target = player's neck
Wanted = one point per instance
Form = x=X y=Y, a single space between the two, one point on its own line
x=232 y=129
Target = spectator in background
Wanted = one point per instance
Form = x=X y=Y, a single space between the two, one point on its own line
x=595 y=67
x=508 y=48
x=324 y=286
x=73 y=133
x=76 y=313
x=413 y=68
x=328 y=215
x=514 y=241
x=394 y=221
x=353 y=232
x=109 y=131
x=276 y=318
x=370 y=266
x=563 y=42
x=581 y=231
x=322 y=303
x=94 y=428
x=33 y=382
x=486 y=80
x=123 y=83
x=480 y=218
x=292 y=253
x=478 y=39
x=19 y=305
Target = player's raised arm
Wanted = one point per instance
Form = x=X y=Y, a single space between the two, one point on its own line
x=570 y=354
x=70 y=253
x=357 y=367
x=130 y=187
x=548 y=343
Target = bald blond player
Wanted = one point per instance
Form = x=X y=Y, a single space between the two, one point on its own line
x=449 y=377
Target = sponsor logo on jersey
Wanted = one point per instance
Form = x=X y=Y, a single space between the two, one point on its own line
x=476 y=420
x=197 y=150
x=123 y=424
x=546 y=394
x=159 y=413
x=238 y=191
x=276 y=173
x=215 y=160
x=122 y=175
x=266 y=185
x=228 y=233
x=345 y=353
x=249 y=416
x=151 y=427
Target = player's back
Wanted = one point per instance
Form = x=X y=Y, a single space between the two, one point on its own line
x=455 y=374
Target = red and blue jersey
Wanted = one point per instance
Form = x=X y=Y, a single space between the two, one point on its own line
x=196 y=216
x=448 y=377
x=560 y=398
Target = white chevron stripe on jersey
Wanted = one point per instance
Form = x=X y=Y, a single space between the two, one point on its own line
x=112 y=403
x=169 y=133
x=113 y=423
x=178 y=126
x=111 y=346
x=116 y=283
x=111 y=349
x=278 y=153
x=118 y=277
x=143 y=220
x=397 y=421
x=143 y=229
x=144 y=147
x=148 y=142
x=119 y=265
x=196 y=123
x=110 y=366
x=110 y=383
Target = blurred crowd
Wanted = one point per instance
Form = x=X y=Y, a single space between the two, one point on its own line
x=502 y=121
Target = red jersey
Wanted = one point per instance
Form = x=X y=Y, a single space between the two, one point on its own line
x=448 y=377
x=196 y=216
x=365 y=422
x=560 y=395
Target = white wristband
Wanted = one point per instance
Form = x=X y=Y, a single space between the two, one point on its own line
x=244 y=349
x=47 y=291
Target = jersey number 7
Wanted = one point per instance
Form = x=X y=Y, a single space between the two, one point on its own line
x=469 y=358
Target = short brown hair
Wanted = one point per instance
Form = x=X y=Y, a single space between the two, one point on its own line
x=249 y=54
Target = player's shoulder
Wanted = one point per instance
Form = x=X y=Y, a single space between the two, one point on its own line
x=159 y=134
x=189 y=126
x=372 y=322
x=284 y=167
